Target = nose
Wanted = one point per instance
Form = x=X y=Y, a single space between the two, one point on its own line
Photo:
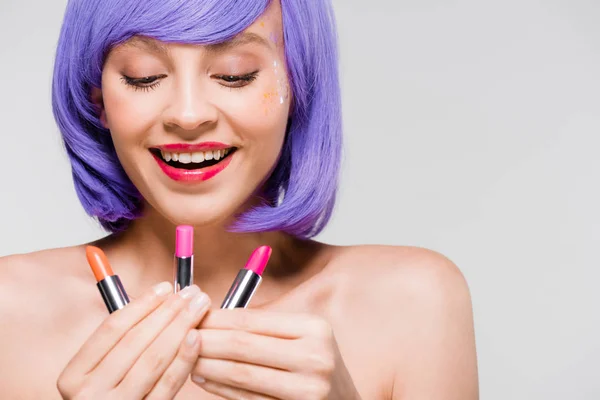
x=190 y=107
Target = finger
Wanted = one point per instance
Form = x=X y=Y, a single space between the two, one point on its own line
x=155 y=360
x=270 y=323
x=253 y=378
x=177 y=373
x=251 y=348
x=232 y=393
x=122 y=357
x=117 y=324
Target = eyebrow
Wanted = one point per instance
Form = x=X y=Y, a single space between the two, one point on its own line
x=237 y=41
x=149 y=44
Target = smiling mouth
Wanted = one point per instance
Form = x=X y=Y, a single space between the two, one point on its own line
x=193 y=160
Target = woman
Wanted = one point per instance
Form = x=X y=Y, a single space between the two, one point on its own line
x=142 y=91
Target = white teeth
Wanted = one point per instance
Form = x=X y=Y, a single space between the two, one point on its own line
x=185 y=158
x=198 y=157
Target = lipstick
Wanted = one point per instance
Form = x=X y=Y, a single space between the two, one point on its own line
x=248 y=279
x=194 y=146
x=184 y=257
x=109 y=284
x=193 y=175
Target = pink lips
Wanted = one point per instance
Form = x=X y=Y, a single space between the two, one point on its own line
x=204 y=146
x=193 y=175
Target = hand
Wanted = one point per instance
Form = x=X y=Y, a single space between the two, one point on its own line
x=145 y=350
x=255 y=354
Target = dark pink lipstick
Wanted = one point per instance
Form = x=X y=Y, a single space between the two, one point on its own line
x=190 y=147
x=183 y=270
x=248 y=279
x=193 y=171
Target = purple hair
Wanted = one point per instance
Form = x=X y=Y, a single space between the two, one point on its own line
x=306 y=174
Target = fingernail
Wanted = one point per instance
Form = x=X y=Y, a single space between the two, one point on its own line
x=191 y=337
x=189 y=291
x=198 y=302
x=162 y=288
x=198 y=379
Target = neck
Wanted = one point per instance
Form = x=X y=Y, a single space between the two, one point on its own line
x=144 y=253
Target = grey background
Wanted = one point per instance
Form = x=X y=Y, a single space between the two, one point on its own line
x=471 y=128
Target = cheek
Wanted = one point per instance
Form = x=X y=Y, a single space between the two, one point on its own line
x=260 y=113
x=129 y=113
x=261 y=126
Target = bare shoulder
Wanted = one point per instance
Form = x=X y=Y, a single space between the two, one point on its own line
x=30 y=269
x=417 y=304
x=42 y=296
x=39 y=282
x=421 y=275
x=396 y=284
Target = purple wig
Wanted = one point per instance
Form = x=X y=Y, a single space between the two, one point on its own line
x=306 y=176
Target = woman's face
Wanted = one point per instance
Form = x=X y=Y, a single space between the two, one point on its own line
x=198 y=128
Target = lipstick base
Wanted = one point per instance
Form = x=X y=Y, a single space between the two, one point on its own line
x=113 y=293
x=184 y=273
x=241 y=291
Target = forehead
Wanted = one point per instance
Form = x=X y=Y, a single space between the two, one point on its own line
x=265 y=31
x=271 y=18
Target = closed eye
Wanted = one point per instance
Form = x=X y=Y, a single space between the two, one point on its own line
x=146 y=83
x=151 y=82
x=237 y=81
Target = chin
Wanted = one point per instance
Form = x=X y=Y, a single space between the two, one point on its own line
x=198 y=210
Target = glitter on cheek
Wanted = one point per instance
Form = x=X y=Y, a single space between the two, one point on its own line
x=285 y=93
x=282 y=85
x=283 y=90
x=278 y=94
x=273 y=38
x=267 y=99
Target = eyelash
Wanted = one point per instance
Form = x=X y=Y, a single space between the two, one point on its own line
x=152 y=82
x=236 y=79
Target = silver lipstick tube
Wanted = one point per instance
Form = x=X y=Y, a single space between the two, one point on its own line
x=241 y=291
x=113 y=293
x=184 y=273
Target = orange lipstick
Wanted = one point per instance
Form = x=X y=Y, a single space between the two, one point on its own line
x=109 y=284
x=98 y=262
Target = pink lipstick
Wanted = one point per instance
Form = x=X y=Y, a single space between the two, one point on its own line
x=198 y=171
x=248 y=279
x=204 y=146
x=184 y=257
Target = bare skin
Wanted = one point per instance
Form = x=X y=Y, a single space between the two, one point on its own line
x=336 y=323
x=401 y=317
